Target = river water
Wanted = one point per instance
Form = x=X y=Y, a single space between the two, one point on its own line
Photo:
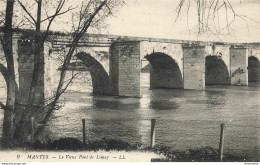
x=185 y=118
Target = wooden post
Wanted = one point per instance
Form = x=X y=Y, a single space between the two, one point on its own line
x=221 y=143
x=152 y=133
x=32 y=130
x=84 y=131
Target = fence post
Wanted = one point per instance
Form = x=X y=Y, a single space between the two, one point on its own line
x=152 y=133
x=32 y=130
x=84 y=131
x=221 y=143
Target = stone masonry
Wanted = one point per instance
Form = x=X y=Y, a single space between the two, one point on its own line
x=194 y=67
x=115 y=63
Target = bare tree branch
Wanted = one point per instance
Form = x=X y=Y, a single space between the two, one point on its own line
x=33 y=23
x=208 y=19
x=69 y=82
x=76 y=37
x=29 y=14
x=179 y=9
x=2 y=106
x=57 y=13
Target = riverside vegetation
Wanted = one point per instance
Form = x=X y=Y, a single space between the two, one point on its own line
x=204 y=154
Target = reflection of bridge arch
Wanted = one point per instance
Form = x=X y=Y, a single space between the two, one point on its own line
x=164 y=72
x=216 y=71
x=100 y=79
x=253 y=69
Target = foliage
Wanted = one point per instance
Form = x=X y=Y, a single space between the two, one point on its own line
x=69 y=143
x=204 y=154
x=109 y=144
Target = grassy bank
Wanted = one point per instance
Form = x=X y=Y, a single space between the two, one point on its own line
x=205 y=154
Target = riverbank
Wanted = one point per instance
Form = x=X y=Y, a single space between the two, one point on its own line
x=117 y=150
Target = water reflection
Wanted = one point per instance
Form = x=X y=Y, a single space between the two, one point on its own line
x=115 y=103
x=163 y=105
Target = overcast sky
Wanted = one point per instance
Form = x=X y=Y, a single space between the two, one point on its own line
x=156 y=18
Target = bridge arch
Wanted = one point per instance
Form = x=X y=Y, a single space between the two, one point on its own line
x=253 y=69
x=99 y=76
x=216 y=72
x=164 y=71
x=100 y=56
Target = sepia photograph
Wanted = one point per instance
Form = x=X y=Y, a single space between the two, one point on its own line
x=129 y=81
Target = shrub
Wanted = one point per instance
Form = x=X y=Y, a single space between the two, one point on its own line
x=204 y=154
x=67 y=143
x=109 y=144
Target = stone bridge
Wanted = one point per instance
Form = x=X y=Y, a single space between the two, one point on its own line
x=114 y=63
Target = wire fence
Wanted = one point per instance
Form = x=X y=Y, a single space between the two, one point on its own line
x=180 y=135
x=226 y=137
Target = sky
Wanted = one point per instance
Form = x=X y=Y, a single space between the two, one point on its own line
x=157 y=18
x=153 y=18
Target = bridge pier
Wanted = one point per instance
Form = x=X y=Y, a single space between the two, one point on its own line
x=26 y=50
x=239 y=65
x=194 y=67
x=125 y=68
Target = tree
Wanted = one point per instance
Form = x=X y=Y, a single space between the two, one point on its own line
x=6 y=41
x=92 y=13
